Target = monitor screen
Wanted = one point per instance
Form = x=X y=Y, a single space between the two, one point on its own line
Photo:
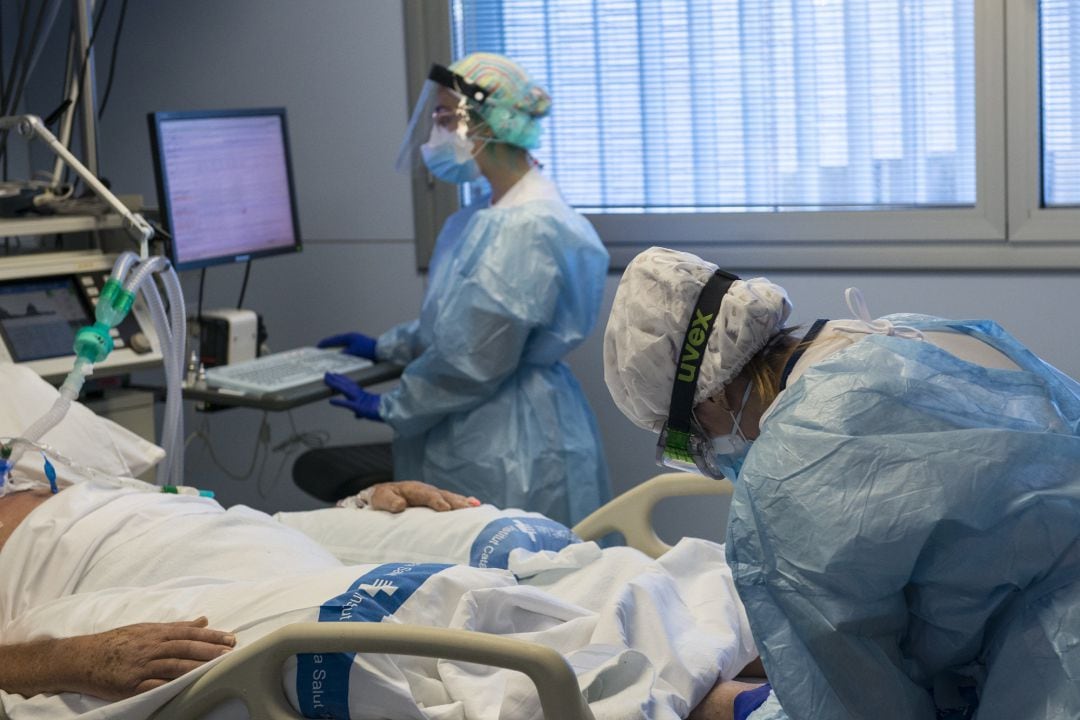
x=224 y=185
x=39 y=318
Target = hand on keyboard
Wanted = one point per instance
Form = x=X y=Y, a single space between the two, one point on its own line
x=354 y=343
x=357 y=399
x=284 y=370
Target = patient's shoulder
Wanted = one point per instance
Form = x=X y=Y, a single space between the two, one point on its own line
x=15 y=507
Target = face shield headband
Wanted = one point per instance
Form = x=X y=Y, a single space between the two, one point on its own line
x=451 y=80
x=683 y=445
x=429 y=112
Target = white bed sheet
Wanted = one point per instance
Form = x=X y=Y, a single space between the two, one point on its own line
x=646 y=638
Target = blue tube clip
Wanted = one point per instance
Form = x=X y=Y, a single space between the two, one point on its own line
x=50 y=473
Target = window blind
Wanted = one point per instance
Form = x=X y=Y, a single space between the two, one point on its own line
x=1059 y=36
x=745 y=105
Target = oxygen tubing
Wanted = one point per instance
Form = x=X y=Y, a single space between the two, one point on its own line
x=171 y=333
x=129 y=276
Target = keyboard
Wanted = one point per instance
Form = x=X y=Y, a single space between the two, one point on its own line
x=283 y=370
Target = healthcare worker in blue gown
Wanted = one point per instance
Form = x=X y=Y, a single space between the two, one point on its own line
x=905 y=529
x=485 y=406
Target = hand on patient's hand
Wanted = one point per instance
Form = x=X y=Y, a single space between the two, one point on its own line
x=136 y=658
x=396 y=496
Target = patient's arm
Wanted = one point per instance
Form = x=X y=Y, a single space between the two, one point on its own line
x=755 y=669
x=396 y=496
x=719 y=704
x=111 y=665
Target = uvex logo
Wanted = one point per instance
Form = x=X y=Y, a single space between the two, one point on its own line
x=695 y=338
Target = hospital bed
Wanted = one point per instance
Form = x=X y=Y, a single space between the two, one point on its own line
x=252 y=674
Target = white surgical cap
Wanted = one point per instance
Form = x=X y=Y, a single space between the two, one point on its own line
x=648 y=323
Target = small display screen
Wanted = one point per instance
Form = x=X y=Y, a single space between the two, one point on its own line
x=39 y=318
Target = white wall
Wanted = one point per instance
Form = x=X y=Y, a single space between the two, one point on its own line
x=338 y=66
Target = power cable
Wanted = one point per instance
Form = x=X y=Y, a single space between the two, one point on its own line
x=202 y=283
x=29 y=58
x=293 y=444
x=96 y=25
x=243 y=287
x=262 y=448
x=39 y=47
x=3 y=85
x=112 y=59
x=24 y=17
x=21 y=66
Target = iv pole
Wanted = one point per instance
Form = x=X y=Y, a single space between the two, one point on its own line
x=85 y=95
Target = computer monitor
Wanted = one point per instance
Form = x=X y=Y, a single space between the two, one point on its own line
x=225 y=186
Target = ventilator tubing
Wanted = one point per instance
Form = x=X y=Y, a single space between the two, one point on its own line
x=171 y=331
x=93 y=344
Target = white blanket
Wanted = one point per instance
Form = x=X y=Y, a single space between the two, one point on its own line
x=484 y=536
x=646 y=638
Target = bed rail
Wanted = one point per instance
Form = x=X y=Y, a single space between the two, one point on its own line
x=252 y=674
x=631 y=513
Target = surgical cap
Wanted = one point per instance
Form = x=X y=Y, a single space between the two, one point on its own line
x=648 y=323
x=515 y=104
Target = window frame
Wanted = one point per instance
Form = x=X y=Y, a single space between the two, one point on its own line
x=1001 y=231
x=1029 y=220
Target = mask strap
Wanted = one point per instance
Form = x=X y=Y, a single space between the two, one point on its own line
x=737 y=417
x=807 y=340
x=692 y=350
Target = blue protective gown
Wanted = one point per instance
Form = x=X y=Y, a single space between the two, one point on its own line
x=485 y=406
x=905 y=534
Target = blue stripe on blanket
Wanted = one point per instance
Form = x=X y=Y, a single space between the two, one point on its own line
x=493 y=544
x=322 y=681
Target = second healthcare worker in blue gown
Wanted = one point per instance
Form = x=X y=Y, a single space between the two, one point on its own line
x=905 y=528
x=485 y=406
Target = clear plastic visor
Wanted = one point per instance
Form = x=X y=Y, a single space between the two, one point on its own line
x=695 y=450
x=438 y=106
x=685 y=451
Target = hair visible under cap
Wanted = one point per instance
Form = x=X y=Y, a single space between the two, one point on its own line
x=515 y=104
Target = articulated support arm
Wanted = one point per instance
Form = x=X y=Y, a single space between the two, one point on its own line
x=30 y=126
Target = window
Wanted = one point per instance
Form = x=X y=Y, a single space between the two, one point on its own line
x=1043 y=38
x=1059 y=30
x=729 y=106
x=807 y=134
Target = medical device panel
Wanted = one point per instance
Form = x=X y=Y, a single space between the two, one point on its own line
x=225 y=185
x=44 y=300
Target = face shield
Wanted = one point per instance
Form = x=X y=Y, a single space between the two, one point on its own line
x=445 y=102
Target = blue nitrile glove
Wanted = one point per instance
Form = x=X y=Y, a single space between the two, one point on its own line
x=748 y=701
x=354 y=343
x=357 y=399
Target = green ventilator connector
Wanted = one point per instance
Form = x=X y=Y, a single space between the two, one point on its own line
x=93 y=343
x=113 y=304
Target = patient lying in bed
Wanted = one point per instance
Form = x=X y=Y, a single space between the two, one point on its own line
x=121 y=571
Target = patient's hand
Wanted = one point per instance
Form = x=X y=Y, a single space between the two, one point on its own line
x=136 y=658
x=111 y=665
x=396 y=496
